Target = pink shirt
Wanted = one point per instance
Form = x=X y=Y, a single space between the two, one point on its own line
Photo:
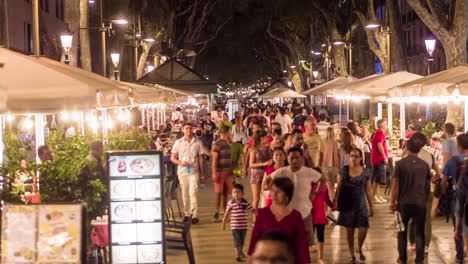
x=292 y=226
x=379 y=137
x=319 y=215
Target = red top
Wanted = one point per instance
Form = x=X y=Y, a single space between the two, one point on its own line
x=268 y=171
x=409 y=134
x=379 y=137
x=292 y=226
x=319 y=215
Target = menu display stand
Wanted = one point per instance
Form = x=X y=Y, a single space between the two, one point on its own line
x=136 y=207
x=43 y=233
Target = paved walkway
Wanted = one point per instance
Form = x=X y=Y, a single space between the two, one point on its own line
x=213 y=245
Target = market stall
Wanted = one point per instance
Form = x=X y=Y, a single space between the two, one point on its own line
x=442 y=87
x=375 y=87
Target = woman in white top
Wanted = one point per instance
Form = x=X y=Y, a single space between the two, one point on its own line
x=284 y=120
x=354 y=128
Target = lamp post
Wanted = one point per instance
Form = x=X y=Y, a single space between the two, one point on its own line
x=115 y=60
x=103 y=29
x=66 y=41
x=430 y=47
x=373 y=24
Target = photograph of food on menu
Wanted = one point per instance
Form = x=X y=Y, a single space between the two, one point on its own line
x=123 y=211
x=149 y=253
x=122 y=189
x=124 y=233
x=148 y=210
x=18 y=233
x=149 y=232
x=134 y=165
x=60 y=233
x=124 y=254
x=148 y=188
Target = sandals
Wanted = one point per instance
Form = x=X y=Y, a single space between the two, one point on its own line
x=362 y=257
x=352 y=260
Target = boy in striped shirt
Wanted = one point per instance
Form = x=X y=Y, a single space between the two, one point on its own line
x=237 y=208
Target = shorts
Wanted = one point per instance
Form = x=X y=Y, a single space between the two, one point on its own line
x=330 y=173
x=256 y=176
x=239 y=237
x=224 y=183
x=379 y=174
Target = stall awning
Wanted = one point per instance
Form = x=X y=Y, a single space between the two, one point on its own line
x=41 y=85
x=282 y=93
x=176 y=75
x=331 y=87
x=155 y=94
x=378 y=84
x=435 y=85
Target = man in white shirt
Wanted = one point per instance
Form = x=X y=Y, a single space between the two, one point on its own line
x=186 y=153
x=177 y=115
x=302 y=177
x=284 y=120
x=322 y=125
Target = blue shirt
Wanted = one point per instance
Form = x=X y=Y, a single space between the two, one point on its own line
x=450 y=169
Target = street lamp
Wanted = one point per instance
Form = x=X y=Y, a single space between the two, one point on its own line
x=430 y=47
x=315 y=74
x=66 y=40
x=116 y=59
x=105 y=29
x=373 y=24
x=149 y=68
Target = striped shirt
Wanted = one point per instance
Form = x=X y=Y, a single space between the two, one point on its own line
x=223 y=148
x=239 y=213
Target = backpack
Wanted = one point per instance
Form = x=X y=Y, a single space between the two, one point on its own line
x=446 y=200
x=462 y=190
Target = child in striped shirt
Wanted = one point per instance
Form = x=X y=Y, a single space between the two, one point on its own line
x=237 y=208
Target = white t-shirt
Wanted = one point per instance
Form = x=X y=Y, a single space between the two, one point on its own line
x=358 y=142
x=449 y=145
x=302 y=180
x=177 y=115
x=322 y=128
x=285 y=122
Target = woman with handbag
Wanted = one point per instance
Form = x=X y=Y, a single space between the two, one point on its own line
x=354 y=200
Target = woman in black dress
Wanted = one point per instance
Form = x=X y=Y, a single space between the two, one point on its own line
x=356 y=204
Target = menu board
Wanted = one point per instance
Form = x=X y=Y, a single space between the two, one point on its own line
x=136 y=207
x=47 y=233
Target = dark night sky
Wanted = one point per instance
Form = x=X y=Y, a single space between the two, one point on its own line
x=232 y=56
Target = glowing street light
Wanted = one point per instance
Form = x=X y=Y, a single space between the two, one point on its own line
x=373 y=24
x=115 y=60
x=66 y=41
x=430 y=47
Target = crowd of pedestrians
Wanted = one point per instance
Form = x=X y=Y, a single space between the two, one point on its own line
x=303 y=168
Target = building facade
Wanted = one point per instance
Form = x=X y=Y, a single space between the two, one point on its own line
x=56 y=17
x=414 y=33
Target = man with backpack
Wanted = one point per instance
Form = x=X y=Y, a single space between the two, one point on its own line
x=452 y=173
x=411 y=189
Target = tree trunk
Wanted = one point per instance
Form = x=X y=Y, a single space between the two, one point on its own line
x=85 y=47
x=455 y=54
x=296 y=80
x=143 y=57
x=398 y=54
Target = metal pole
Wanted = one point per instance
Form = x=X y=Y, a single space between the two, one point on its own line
x=135 y=60
x=402 y=120
x=327 y=63
x=103 y=40
x=35 y=18
x=389 y=49
x=390 y=118
x=350 y=47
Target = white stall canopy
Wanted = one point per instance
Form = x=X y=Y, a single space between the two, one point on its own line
x=435 y=86
x=41 y=85
x=332 y=87
x=282 y=93
x=377 y=85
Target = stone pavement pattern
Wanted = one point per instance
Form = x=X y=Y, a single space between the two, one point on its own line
x=212 y=245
